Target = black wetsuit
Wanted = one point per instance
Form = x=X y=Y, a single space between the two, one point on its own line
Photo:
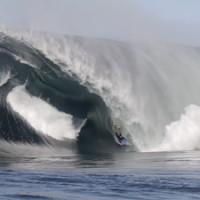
x=120 y=137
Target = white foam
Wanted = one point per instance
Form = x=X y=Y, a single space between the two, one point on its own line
x=40 y=115
x=183 y=134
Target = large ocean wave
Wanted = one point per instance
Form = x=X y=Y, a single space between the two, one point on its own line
x=57 y=89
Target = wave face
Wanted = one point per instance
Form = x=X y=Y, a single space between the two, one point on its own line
x=42 y=103
x=72 y=89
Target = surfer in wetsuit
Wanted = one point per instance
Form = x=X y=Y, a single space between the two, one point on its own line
x=119 y=136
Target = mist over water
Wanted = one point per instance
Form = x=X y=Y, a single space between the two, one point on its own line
x=137 y=21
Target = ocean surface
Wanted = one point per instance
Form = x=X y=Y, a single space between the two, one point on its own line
x=122 y=176
x=64 y=99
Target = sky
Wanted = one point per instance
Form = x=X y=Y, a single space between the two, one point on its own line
x=176 y=21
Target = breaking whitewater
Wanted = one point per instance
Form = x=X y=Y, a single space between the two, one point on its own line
x=63 y=91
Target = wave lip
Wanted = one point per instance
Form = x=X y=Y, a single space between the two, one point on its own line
x=41 y=116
